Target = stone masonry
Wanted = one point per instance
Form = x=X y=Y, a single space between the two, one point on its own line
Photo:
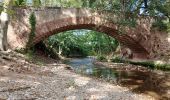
x=50 y=21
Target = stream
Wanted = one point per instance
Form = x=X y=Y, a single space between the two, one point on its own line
x=136 y=80
x=85 y=66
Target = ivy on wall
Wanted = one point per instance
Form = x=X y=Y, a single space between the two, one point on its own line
x=32 y=21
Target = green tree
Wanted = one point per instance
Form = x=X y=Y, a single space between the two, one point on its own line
x=36 y=3
x=19 y=2
x=82 y=42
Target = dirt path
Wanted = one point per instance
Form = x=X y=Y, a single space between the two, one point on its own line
x=26 y=81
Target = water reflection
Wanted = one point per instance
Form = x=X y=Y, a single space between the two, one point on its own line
x=138 y=81
x=85 y=66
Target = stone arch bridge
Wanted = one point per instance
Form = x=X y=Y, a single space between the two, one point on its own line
x=50 y=21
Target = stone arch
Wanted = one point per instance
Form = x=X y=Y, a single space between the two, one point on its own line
x=54 y=20
x=92 y=23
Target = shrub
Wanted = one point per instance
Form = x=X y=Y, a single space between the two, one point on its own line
x=32 y=21
x=101 y=58
x=149 y=64
x=117 y=60
x=160 y=25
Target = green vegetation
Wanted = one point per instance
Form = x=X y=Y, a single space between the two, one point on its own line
x=152 y=65
x=36 y=3
x=149 y=64
x=81 y=43
x=32 y=21
x=46 y=49
x=30 y=48
x=101 y=58
x=19 y=2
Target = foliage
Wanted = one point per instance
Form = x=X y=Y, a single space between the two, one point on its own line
x=19 y=2
x=160 y=9
x=61 y=3
x=168 y=27
x=29 y=54
x=32 y=21
x=160 y=25
x=117 y=59
x=36 y=3
x=65 y=43
x=149 y=64
x=45 y=49
x=82 y=43
x=101 y=58
x=129 y=10
x=152 y=65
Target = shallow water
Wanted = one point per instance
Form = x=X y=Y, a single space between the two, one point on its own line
x=137 y=81
x=85 y=66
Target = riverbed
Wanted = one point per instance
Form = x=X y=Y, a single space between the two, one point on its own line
x=24 y=80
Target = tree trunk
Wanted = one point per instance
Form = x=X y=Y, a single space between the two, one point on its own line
x=3 y=31
x=4 y=18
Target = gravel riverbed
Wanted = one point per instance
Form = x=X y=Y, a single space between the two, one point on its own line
x=53 y=81
x=58 y=84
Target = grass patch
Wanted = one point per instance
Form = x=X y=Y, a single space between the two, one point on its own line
x=149 y=64
x=101 y=58
x=31 y=56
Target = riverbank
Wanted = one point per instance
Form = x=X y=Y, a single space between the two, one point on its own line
x=23 y=79
x=152 y=82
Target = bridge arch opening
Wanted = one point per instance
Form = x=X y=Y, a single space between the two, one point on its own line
x=91 y=23
x=81 y=43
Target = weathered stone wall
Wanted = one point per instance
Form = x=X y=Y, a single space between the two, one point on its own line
x=157 y=43
x=19 y=28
